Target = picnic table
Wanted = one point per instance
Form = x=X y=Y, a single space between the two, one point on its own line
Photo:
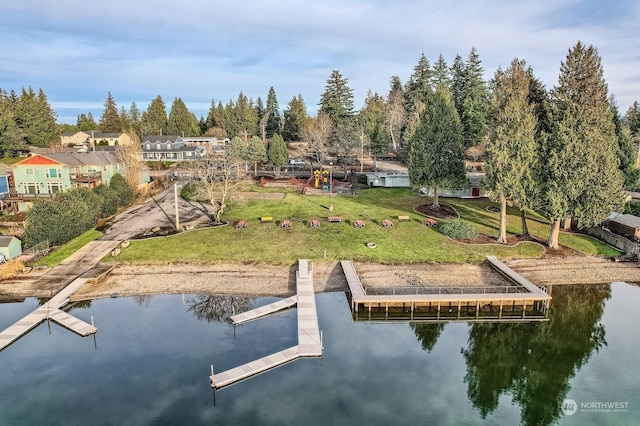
x=315 y=223
x=387 y=223
x=358 y=223
x=334 y=218
x=430 y=222
x=286 y=224
x=241 y=224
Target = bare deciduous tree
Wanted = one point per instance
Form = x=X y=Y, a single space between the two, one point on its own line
x=131 y=156
x=316 y=134
x=214 y=178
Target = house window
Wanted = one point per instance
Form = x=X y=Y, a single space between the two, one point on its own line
x=158 y=146
x=29 y=171
x=168 y=146
x=31 y=188
x=148 y=146
x=53 y=173
x=54 y=187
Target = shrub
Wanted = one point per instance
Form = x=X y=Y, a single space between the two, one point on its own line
x=458 y=230
x=10 y=268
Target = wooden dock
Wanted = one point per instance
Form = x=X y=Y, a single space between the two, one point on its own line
x=443 y=307
x=264 y=310
x=50 y=310
x=309 y=339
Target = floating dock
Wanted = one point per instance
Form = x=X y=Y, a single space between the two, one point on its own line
x=526 y=302
x=309 y=339
x=50 y=310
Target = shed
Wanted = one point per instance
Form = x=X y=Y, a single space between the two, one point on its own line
x=10 y=246
x=625 y=224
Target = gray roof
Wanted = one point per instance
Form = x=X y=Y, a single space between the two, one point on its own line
x=90 y=158
x=5 y=240
x=162 y=139
x=100 y=135
x=627 y=220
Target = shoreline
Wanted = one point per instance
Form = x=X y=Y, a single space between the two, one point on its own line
x=257 y=280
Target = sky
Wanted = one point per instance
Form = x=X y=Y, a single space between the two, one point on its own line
x=77 y=51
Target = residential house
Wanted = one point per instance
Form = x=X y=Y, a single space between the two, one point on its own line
x=211 y=144
x=44 y=175
x=473 y=189
x=94 y=138
x=10 y=247
x=170 y=148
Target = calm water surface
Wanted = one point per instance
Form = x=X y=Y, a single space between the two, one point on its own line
x=150 y=361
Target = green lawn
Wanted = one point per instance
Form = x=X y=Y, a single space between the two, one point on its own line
x=407 y=242
x=66 y=250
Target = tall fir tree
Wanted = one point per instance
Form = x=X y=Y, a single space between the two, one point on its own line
x=418 y=93
x=277 y=153
x=11 y=136
x=256 y=153
x=337 y=102
x=632 y=119
x=582 y=179
x=511 y=154
x=435 y=153
x=474 y=102
x=135 y=119
x=458 y=82
x=246 y=116
x=627 y=150
x=110 y=122
x=274 y=120
x=86 y=122
x=35 y=118
x=181 y=121
x=295 y=118
x=372 y=120
x=154 y=119
x=440 y=75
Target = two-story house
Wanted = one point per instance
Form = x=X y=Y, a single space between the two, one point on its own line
x=94 y=138
x=44 y=175
x=170 y=148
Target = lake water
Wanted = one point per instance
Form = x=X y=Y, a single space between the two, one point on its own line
x=149 y=364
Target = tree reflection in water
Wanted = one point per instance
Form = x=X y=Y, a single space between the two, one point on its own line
x=427 y=333
x=535 y=361
x=217 y=308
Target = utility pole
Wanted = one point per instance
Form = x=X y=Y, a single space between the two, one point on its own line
x=175 y=193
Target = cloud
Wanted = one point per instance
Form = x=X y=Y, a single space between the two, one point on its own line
x=200 y=50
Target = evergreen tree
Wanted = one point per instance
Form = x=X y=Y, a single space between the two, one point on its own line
x=295 y=118
x=246 y=117
x=435 y=153
x=337 y=99
x=632 y=119
x=273 y=114
x=474 y=102
x=440 y=74
x=181 y=121
x=582 y=179
x=627 y=151
x=277 y=153
x=418 y=93
x=135 y=118
x=110 y=122
x=256 y=153
x=372 y=122
x=511 y=152
x=86 y=123
x=11 y=136
x=458 y=82
x=239 y=149
x=154 y=119
x=35 y=118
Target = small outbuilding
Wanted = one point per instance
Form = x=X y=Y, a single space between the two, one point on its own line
x=625 y=224
x=10 y=247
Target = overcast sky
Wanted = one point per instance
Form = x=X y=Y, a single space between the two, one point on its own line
x=78 y=50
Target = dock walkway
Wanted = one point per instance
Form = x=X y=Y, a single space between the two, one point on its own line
x=309 y=340
x=505 y=303
x=50 y=310
x=264 y=310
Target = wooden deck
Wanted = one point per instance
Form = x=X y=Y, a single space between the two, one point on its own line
x=264 y=310
x=50 y=310
x=504 y=304
x=309 y=340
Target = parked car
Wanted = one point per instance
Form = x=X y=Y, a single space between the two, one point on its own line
x=296 y=162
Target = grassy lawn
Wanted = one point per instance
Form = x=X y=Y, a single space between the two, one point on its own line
x=68 y=249
x=407 y=242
